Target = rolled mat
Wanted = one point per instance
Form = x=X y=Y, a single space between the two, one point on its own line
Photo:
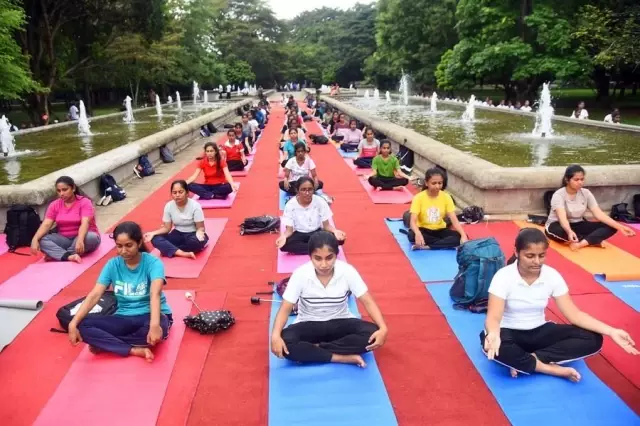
x=627 y=291
x=43 y=280
x=15 y=315
x=327 y=394
x=131 y=384
x=537 y=398
x=430 y=265
x=180 y=267
x=218 y=204
x=615 y=264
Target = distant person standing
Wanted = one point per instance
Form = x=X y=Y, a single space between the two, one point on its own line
x=74 y=112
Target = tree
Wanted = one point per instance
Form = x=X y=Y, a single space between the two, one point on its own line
x=16 y=79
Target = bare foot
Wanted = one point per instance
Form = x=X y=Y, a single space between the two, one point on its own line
x=514 y=372
x=186 y=254
x=566 y=372
x=75 y=258
x=142 y=353
x=349 y=359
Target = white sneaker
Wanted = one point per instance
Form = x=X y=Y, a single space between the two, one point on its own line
x=101 y=201
x=107 y=200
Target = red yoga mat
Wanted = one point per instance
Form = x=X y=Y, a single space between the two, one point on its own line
x=179 y=267
x=130 y=389
x=403 y=196
x=629 y=244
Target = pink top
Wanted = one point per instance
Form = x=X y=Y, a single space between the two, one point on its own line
x=350 y=136
x=68 y=219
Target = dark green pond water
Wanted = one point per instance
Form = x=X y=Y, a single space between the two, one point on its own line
x=506 y=140
x=61 y=147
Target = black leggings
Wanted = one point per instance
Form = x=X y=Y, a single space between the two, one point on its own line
x=298 y=242
x=594 y=232
x=348 y=147
x=293 y=187
x=551 y=343
x=387 y=183
x=219 y=191
x=437 y=239
x=235 y=165
x=363 y=162
x=348 y=336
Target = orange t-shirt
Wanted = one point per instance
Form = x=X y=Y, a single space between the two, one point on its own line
x=211 y=175
x=234 y=152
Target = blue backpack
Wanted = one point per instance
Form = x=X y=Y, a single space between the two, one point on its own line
x=478 y=261
x=146 y=166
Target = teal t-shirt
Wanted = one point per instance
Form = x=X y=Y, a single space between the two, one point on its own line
x=290 y=149
x=132 y=287
x=385 y=168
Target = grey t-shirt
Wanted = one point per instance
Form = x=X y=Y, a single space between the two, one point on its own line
x=185 y=220
x=575 y=209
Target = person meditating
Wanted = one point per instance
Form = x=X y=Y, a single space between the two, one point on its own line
x=143 y=317
x=185 y=216
x=234 y=151
x=429 y=208
x=325 y=330
x=566 y=223
x=218 y=182
x=76 y=230
x=304 y=215
x=351 y=137
x=386 y=174
x=517 y=334
x=367 y=150
x=297 y=167
x=288 y=150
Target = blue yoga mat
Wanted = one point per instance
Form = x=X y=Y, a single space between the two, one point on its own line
x=627 y=291
x=352 y=154
x=430 y=265
x=535 y=399
x=326 y=394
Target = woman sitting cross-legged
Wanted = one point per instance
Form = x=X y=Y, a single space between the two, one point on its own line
x=298 y=167
x=386 y=174
x=76 y=230
x=304 y=215
x=429 y=208
x=234 y=152
x=351 y=137
x=566 y=223
x=325 y=330
x=367 y=150
x=517 y=334
x=288 y=149
x=143 y=317
x=218 y=182
x=186 y=217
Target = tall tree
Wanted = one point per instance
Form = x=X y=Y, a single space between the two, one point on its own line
x=16 y=78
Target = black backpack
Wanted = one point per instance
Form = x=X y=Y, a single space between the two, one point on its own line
x=405 y=156
x=22 y=224
x=319 y=139
x=108 y=186
x=620 y=213
x=260 y=225
x=107 y=305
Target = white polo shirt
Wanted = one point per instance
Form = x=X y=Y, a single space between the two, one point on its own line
x=525 y=304
x=319 y=303
x=306 y=219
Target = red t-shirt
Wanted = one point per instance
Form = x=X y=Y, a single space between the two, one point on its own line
x=211 y=176
x=234 y=152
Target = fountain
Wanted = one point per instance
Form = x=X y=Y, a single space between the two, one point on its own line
x=158 y=107
x=196 y=92
x=220 y=88
x=6 y=138
x=544 y=114
x=169 y=100
x=128 y=116
x=83 y=122
x=351 y=87
x=469 y=114
x=376 y=93
x=178 y=101
x=434 y=102
x=404 y=88
x=366 y=94
x=205 y=97
x=387 y=95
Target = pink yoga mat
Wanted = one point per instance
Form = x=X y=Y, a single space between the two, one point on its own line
x=387 y=197
x=217 y=204
x=3 y=244
x=287 y=263
x=280 y=173
x=244 y=172
x=635 y=225
x=357 y=170
x=130 y=389
x=179 y=267
x=43 y=280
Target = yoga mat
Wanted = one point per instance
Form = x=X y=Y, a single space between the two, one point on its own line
x=244 y=172
x=627 y=291
x=635 y=225
x=132 y=387
x=3 y=244
x=629 y=244
x=430 y=265
x=43 y=280
x=218 y=204
x=614 y=263
x=535 y=399
x=284 y=197
x=179 y=267
x=287 y=263
x=357 y=170
x=326 y=394
x=15 y=315
x=403 y=196
x=351 y=154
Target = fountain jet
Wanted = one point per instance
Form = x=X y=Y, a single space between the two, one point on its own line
x=178 y=101
x=128 y=116
x=469 y=114
x=6 y=138
x=434 y=102
x=196 y=92
x=404 y=88
x=83 y=122
x=543 y=127
x=158 y=106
